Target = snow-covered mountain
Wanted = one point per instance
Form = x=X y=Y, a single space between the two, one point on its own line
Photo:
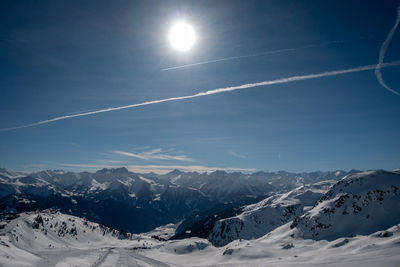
x=351 y=222
x=116 y=197
x=323 y=210
x=43 y=238
x=280 y=248
x=255 y=220
x=220 y=184
x=258 y=219
x=50 y=238
x=140 y=202
x=52 y=229
x=358 y=204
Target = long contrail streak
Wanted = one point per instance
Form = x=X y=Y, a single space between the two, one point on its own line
x=259 y=54
x=382 y=53
x=376 y=67
x=215 y=91
x=232 y=58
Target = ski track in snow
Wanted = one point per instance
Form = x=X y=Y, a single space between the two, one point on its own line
x=112 y=256
x=101 y=259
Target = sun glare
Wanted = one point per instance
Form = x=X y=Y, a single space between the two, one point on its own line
x=182 y=36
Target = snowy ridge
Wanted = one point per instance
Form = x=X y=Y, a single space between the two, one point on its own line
x=359 y=218
x=258 y=219
x=50 y=238
x=358 y=204
x=141 y=202
x=52 y=229
x=282 y=248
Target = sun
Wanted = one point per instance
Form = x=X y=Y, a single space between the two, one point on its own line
x=182 y=36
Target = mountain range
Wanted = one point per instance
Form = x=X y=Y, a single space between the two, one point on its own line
x=310 y=219
x=141 y=202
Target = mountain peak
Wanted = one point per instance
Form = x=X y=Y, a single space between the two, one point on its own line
x=114 y=170
x=9 y=173
x=174 y=172
x=218 y=172
x=370 y=198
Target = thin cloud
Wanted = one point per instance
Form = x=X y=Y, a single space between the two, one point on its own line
x=34 y=167
x=233 y=153
x=110 y=161
x=154 y=154
x=160 y=169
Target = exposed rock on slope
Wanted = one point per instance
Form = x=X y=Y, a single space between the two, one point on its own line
x=52 y=229
x=140 y=202
x=258 y=219
x=358 y=204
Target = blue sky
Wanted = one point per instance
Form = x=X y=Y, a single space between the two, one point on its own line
x=64 y=57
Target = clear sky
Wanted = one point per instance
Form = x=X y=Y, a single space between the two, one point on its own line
x=68 y=57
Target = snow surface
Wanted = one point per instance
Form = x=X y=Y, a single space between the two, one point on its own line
x=357 y=237
x=358 y=204
x=282 y=247
x=50 y=238
x=258 y=219
x=279 y=248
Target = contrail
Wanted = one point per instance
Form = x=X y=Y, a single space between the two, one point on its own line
x=232 y=58
x=382 y=53
x=216 y=91
x=261 y=54
x=376 y=67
